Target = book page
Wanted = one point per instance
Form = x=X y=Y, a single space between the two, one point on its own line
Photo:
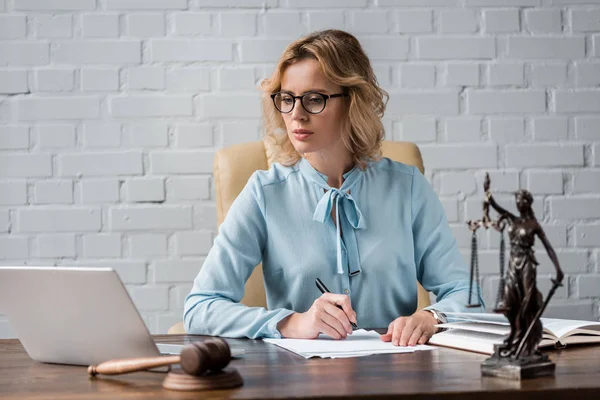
x=562 y=328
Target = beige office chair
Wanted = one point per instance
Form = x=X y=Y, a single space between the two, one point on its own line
x=232 y=168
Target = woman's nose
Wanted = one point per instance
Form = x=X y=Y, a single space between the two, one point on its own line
x=299 y=113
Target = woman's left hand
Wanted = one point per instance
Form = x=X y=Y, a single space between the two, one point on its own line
x=409 y=331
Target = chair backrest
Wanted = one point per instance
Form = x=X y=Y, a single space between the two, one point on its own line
x=234 y=165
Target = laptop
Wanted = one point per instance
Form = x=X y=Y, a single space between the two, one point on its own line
x=78 y=316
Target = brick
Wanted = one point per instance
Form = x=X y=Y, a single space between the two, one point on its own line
x=423 y=102
x=53 y=192
x=97 y=52
x=595 y=49
x=224 y=105
x=177 y=299
x=575 y=208
x=191 y=24
x=285 y=23
x=506 y=130
x=188 y=188
x=151 y=106
x=101 y=134
x=100 y=25
x=382 y=73
x=498 y=3
x=585 y=20
x=25 y=165
x=150 y=217
x=54 y=5
x=176 y=271
x=13 y=27
x=461 y=74
x=320 y=20
x=188 y=79
x=596 y=152
x=588 y=286
x=385 y=48
x=460 y=156
x=577 y=101
x=13 y=137
x=24 y=53
x=262 y=50
x=505 y=74
x=13 y=82
x=148 y=135
x=181 y=162
x=145 y=25
x=545 y=182
x=237 y=24
x=462 y=129
x=549 y=74
x=99 y=79
x=54 y=108
x=587 y=235
x=545 y=47
x=587 y=73
x=205 y=216
x=103 y=245
x=148 y=245
x=54 y=80
x=450 y=209
x=501 y=21
x=145 y=190
x=99 y=191
x=503 y=181
x=586 y=128
x=148 y=298
x=544 y=284
x=473 y=208
x=53 y=26
x=467 y=47
x=13 y=192
x=505 y=102
x=54 y=246
x=458 y=21
x=556 y=234
x=4 y=221
x=418 y=129
x=239 y=132
x=193 y=135
x=544 y=155
x=543 y=21
x=581 y=311
x=550 y=128
x=323 y=3
x=457 y=182
x=184 y=50
x=237 y=79
x=72 y=219
x=586 y=181
x=101 y=164
x=13 y=248
x=417 y=75
x=56 y=136
x=193 y=243
x=414 y=21
x=146 y=4
x=146 y=78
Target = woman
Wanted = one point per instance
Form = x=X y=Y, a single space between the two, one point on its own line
x=333 y=209
x=521 y=300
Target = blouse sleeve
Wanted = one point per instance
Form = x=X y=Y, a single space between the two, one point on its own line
x=440 y=267
x=213 y=306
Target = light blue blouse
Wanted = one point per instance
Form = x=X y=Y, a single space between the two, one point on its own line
x=393 y=233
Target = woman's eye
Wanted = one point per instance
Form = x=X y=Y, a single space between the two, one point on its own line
x=287 y=100
x=315 y=99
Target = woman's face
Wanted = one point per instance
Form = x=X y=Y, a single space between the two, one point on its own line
x=522 y=203
x=313 y=132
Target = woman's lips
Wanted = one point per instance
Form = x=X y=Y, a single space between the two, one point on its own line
x=302 y=134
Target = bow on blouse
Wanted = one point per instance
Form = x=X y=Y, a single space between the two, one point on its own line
x=346 y=203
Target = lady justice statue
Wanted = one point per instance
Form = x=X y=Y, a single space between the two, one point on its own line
x=521 y=302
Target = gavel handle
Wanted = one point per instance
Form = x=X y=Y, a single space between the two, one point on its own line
x=125 y=365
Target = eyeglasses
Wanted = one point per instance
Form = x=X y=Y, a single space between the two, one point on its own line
x=312 y=102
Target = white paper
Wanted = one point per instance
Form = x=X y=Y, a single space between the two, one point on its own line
x=360 y=343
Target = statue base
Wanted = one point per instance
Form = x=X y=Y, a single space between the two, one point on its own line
x=517 y=369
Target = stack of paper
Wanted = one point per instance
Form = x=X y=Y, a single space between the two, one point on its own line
x=360 y=343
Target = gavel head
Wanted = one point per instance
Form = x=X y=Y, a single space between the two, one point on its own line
x=209 y=355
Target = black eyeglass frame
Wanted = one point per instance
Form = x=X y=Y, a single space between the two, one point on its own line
x=324 y=96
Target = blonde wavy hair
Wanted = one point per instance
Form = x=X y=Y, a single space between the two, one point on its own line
x=344 y=62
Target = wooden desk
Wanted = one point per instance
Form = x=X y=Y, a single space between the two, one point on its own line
x=273 y=373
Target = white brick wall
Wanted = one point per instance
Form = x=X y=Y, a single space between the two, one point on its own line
x=111 y=112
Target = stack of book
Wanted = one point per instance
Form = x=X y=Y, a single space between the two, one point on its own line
x=480 y=332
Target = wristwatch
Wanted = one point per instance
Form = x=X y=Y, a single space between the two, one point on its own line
x=439 y=316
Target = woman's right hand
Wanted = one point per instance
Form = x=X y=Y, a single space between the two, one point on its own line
x=322 y=317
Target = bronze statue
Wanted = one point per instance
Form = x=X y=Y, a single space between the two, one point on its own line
x=522 y=304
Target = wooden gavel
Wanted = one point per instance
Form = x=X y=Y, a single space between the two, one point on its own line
x=195 y=359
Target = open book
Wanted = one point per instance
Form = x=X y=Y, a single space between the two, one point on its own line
x=480 y=332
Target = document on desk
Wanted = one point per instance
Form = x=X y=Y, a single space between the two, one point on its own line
x=360 y=343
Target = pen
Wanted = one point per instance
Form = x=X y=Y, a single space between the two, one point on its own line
x=324 y=289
